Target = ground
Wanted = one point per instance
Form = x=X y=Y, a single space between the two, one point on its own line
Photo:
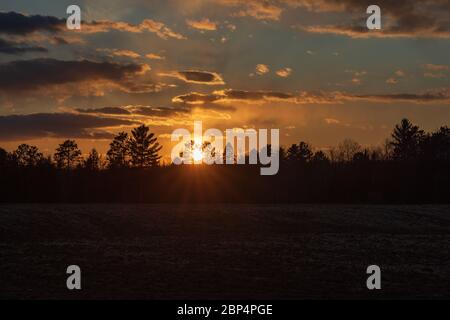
x=224 y=251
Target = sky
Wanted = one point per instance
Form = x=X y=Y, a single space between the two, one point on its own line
x=309 y=68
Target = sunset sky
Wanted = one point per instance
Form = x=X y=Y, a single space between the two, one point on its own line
x=308 y=67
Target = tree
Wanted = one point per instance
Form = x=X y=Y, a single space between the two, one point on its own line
x=305 y=153
x=292 y=153
x=118 y=152
x=93 y=161
x=27 y=156
x=320 y=157
x=436 y=146
x=67 y=154
x=406 y=140
x=4 y=157
x=345 y=151
x=362 y=156
x=300 y=153
x=144 y=148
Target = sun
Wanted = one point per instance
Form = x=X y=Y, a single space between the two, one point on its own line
x=197 y=154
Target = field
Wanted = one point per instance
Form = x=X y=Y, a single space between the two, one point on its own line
x=224 y=251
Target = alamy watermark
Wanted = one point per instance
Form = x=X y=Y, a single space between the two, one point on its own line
x=215 y=147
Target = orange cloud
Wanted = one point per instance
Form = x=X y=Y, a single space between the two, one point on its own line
x=262 y=69
x=195 y=76
x=261 y=10
x=203 y=24
x=154 y=56
x=284 y=73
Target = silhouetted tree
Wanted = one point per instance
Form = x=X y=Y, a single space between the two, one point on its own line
x=361 y=156
x=93 y=161
x=3 y=157
x=27 y=156
x=406 y=140
x=292 y=153
x=436 y=146
x=67 y=154
x=300 y=153
x=345 y=151
x=305 y=152
x=118 y=152
x=320 y=157
x=143 y=148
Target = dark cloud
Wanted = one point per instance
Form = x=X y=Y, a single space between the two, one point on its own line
x=157 y=112
x=19 y=24
x=132 y=110
x=106 y=110
x=306 y=97
x=137 y=110
x=400 y=18
x=426 y=97
x=36 y=73
x=64 y=125
x=194 y=76
x=11 y=47
x=231 y=95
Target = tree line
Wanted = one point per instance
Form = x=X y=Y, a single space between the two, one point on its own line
x=139 y=150
x=412 y=166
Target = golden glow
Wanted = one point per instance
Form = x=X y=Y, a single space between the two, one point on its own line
x=197 y=154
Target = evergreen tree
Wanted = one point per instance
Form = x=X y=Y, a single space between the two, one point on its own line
x=93 y=161
x=144 y=148
x=118 y=152
x=406 y=140
x=67 y=154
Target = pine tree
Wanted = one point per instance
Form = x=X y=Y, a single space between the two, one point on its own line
x=406 y=140
x=118 y=152
x=144 y=148
x=93 y=161
x=67 y=154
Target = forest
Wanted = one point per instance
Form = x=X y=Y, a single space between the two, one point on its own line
x=413 y=166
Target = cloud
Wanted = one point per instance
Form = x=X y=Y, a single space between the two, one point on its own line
x=203 y=24
x=14 y=23
x=195 y=76
x=105 y=110
x=48 y=73
x=436 y=67
x=153 y=56
x=261 y=10
x=262 y=69
x=19 y=24
x=136 y=110
x=156 y=27
x=436 y=71
x=305 y=97
x=120 y=53
x=60 y=125
x=284 y=73
x=231 y=95
x=331 y=121
x=14 y=48
x=391 y=81
x=438 y=96
x=402 y=18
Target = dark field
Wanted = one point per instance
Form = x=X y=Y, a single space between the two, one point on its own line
x=224 y=251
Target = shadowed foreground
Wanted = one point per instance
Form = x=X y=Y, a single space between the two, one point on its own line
x=229 y=251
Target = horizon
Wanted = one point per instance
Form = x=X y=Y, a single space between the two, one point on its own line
x=287 y=65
